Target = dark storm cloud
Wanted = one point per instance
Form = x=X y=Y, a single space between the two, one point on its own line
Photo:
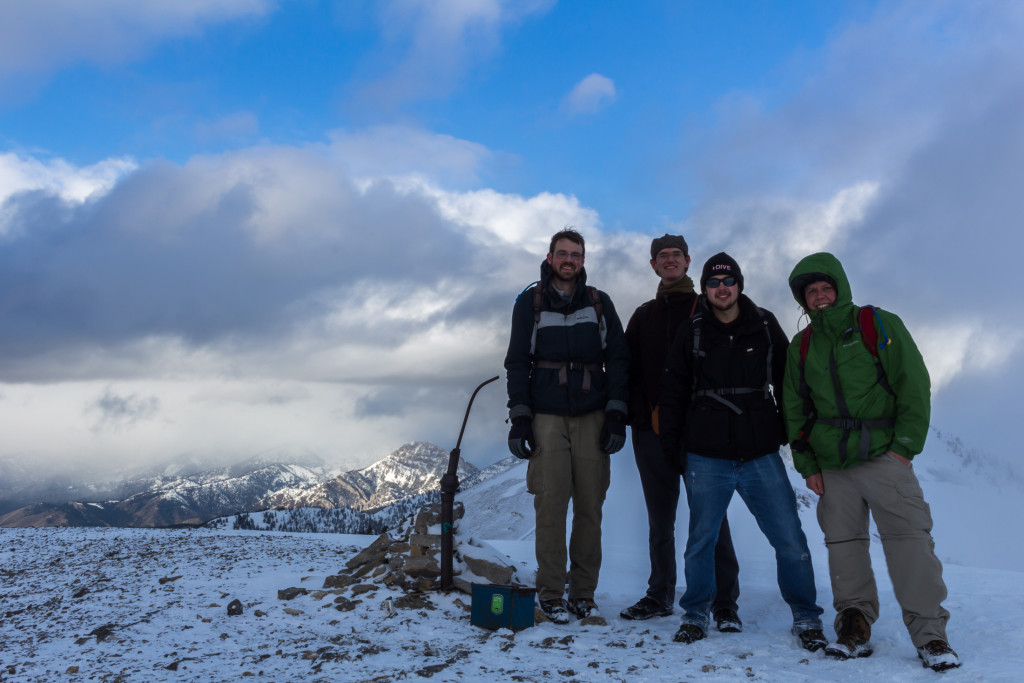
x=923 y=102
x=243 y=248
x=955 y=210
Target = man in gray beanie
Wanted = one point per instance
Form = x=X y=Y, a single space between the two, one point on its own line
x=649 y=335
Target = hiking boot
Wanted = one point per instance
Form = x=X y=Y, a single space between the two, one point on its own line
x=583 y=608
x=645 y=608
x=555 y=610
x=852 y=636
x=689 y=633
x=727 y=621
x=938 y=656
x=812 y=639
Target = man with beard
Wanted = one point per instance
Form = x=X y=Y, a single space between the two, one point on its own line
x=567 y=365
x=649 y=333
x=719 y=410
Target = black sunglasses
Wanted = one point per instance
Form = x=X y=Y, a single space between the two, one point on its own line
x=727 y=281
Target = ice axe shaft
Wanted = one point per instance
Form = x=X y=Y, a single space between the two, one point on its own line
x=449 y=484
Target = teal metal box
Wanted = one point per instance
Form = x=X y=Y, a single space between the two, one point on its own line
x=496 y=606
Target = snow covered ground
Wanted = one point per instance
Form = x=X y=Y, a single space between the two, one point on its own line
x=151 y=605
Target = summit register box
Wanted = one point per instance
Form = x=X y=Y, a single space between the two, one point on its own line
x=496 y=606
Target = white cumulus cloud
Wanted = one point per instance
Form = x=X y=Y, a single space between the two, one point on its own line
x=590 y=95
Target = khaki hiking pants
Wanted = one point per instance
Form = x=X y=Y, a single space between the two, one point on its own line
x=568 y=464
x=890 y=490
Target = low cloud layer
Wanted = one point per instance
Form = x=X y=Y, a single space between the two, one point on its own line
x=347 y=295
x=362 y=299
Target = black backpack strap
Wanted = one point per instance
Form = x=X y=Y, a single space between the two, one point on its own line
x=768 y=360
x=720 y=394
x=698 y=352
x=538 y=299
x=598 y=303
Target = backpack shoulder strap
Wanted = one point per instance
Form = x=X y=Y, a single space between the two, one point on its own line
x=805 y=345
x=538 y=296
x=697 y=322
x=595 y=299
x=872 y=330
x=868 y=331
x=768 y=357
x=872 y=333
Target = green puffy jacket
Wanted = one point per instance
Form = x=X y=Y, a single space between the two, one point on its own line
x=834 y=330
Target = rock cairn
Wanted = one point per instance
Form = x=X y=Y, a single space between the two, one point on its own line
x=411 y=560
x=407 y=561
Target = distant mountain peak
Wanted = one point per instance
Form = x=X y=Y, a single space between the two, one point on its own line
x=287 y=476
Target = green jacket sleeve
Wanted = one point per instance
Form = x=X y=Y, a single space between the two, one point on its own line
x=908 y=376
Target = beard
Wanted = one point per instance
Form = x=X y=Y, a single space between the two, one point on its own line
x=567 y=280
x=724 y=305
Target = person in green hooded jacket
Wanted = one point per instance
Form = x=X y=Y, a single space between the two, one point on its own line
x=855 y=420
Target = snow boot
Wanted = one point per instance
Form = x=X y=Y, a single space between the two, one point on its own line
x=727 y=621
x=853 y=636
x=555 y=611
x=689 y=633
x=812 y=639
x=645 y=608
x=583 y=608
x=938 y=656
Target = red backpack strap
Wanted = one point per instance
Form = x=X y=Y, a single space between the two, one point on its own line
x=872 y=330
x=872 y=333
x=868 y=331
x=805 y=344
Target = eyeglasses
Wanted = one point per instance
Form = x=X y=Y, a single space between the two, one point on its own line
x=565 y=255
x=727 y=281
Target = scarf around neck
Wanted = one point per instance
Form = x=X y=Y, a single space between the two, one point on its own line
x=683 y=285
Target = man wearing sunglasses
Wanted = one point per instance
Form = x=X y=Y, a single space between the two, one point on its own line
x=567 y=366
x=857 y=416
x=719 y=410
x=650 y=331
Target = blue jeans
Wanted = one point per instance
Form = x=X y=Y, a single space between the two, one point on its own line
x=764 y=487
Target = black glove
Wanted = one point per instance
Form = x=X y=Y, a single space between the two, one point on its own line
x=520 y=437
x=613 y=433
x=675 y=458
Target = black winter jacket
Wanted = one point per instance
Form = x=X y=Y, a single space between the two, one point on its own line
x=649 y=334
x=568 y=331
x=735 y=356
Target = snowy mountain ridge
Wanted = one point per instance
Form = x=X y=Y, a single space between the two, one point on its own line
x=254 y=484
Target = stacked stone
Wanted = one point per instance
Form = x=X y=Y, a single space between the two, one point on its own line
x=411 y=561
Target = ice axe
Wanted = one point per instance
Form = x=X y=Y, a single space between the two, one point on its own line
x=449 y=483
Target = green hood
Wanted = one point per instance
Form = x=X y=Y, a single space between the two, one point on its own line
x=836 y=317
x=821 y=263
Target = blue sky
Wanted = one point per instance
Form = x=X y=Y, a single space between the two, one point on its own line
x=228 y=226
